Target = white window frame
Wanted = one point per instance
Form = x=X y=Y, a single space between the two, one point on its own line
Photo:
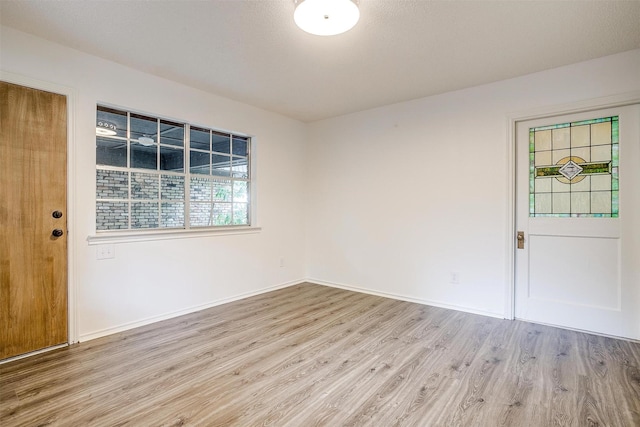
x=188 y=231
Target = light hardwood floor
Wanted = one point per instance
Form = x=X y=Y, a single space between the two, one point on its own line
x=311 y=355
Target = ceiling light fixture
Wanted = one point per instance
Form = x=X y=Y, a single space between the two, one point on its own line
x=105 y=128
x=146 y=141
x=326 y=17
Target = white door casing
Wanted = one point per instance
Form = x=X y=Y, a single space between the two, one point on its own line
x=581 y=272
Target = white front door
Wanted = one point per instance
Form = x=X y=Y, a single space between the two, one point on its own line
x=578 y=210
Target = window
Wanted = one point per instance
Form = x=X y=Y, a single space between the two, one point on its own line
x=573 y=169
x=153 y=173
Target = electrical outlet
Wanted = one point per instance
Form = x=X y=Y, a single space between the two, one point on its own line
x=454 y=277
x=105 y=252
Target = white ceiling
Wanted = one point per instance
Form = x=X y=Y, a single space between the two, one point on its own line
x=251 y=51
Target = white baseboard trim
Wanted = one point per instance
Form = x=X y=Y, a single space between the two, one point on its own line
x=405 y=298
x=192 y=309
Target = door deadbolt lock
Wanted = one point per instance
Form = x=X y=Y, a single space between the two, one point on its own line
x=56 y=214
x=57 y=232
x=520 y=238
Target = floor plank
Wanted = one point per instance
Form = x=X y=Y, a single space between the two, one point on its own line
x=310 y=355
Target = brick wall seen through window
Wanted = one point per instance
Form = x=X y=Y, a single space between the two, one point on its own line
x=153 y=173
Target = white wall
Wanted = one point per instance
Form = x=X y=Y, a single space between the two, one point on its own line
x=403 y=195
x=150 y=280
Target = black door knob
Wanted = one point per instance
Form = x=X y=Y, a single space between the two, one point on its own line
x=57 y=232
x=56 y=214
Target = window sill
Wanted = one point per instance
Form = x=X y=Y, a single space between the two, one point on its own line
x=147 y=236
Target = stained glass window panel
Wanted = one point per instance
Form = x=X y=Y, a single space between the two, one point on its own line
x=573 y=169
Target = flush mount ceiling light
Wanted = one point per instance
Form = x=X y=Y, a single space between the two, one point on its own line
x=146 y=141
x=105 y=128
x=326 y=17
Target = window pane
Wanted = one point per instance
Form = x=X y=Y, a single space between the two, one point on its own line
x=171 y=159
x=144 y=214
x=240 y=169
x=112 y=215
x=199 y=162
x=142 y=126
x=144 y=186
x=240 y=214
x=240 y=146
x=171 y=133
x=200 y=139
x=222 y=213
x=172 y=214
x=240 y=191
x=142 y=179
x=573 y=168
x=220 y=142
x=111 y=152
x=220 y=165
x=222 y=191
x=110 y=119
x=200 y=214
x=172 y=187
x=112 y=184
x=143 y=157
x=200 y=189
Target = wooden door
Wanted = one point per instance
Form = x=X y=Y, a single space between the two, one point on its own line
x=33 y=261
x=578 y=207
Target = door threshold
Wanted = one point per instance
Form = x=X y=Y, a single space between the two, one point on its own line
x=584 y=331
x=33 y=353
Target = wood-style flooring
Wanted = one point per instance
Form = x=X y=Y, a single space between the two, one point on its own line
x=310 y=355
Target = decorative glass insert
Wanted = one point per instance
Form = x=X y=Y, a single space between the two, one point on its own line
x=573 y=169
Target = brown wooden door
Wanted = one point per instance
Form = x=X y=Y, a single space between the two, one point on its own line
x=33 y=262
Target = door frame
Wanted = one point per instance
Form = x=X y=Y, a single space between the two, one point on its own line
x=70 y=93
x=619 y=100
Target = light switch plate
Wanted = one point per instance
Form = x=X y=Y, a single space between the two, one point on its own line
x=105 y=252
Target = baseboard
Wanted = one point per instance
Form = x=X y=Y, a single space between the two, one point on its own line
x=192 y=309
x=405 y=298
